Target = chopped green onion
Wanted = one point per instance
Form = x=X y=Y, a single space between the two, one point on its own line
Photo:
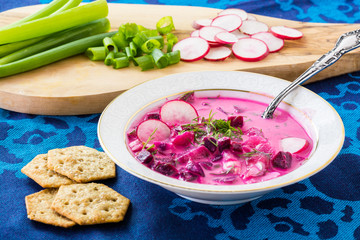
x=174 y=57
x=165 y=25
x=55 y=23
x=45 y=11
x=110 y=46
x=133 y=49
x=171 y=41
x=120 y=62
x=109 y=58
x=120 y=40
x=150 y=45
x=96 y=53
x=151 y=33
x=55 y=54
x=86 y=30
x=146 y=62
x=160 y=59
x=119 y=54
x=129 y=53
x=140 y=39
x=160 y=39
x=130 y=30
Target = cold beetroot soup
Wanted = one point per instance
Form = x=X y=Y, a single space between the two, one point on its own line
x=217 y=139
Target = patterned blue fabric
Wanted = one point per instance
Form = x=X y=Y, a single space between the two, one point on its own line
x=325 y=206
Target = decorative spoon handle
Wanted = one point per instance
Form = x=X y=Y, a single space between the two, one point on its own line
x=346 y=42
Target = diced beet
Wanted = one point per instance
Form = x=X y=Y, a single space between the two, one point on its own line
x=282 y=160
x=236 y=121
x=217 y=158
x=163 y=146
x=183 y=139
x=186 y=175
x=165 y=168
x=195 y=168
x=152 y=116
x=206 y=165
x=165 y=159
x=183 y=158
x=199 y=153
x=236 y=147
x=210 y=143
x=145 y=156
x=224 y=143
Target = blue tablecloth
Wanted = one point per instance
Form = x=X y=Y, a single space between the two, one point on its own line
x=325 y=206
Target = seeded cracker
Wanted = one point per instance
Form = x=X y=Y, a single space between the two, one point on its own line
x=38 y=206
x=91 y=203
x=81 y=164
x=38 y=171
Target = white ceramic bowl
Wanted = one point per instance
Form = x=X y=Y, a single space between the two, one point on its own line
x=317 y=116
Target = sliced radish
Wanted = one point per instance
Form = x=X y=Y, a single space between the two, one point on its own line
x=199 y=23
x=251 y=27
x=177 y=112
x=192 y=48
x=218 y=53
x=286 y=32
x=239 y=34
x=294 y=144
x=250 y=49
x=152 y=129
x=274 y=43
x=241 y=13
x=226 y=38
x=229 y=22
x=215 y=44
x=209 y=33
x=251 y=17
x=195 y=33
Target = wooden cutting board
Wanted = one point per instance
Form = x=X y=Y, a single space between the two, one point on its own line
x=80 y=86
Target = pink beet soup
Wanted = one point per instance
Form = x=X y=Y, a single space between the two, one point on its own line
x=218 y=140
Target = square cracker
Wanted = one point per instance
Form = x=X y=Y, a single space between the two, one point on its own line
x=38 y=206
x=38 y=171
x=81 y=163
x=90 y=203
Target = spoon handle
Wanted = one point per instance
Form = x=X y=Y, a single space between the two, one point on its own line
x=346 y=42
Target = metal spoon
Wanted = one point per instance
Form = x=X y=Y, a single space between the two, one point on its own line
x=346 y=42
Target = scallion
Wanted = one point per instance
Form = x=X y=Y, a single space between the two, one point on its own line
x=160 y=59
x=173 y=57
x=109 y=58
x=150 y=45
x=120 y=62
x=96 y=53
x=165 y=25
x=110 y=45
x=145 y=62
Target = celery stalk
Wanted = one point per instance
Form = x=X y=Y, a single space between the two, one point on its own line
x=54 y=23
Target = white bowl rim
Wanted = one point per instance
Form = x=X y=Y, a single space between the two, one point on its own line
x=122 y=159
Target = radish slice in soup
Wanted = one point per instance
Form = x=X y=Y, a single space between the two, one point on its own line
x=177 y=112
x=294 y=144
x=153 y=130
x=286 y=32
x=192 y=48
x=250 y=49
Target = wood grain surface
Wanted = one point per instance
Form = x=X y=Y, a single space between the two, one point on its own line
x=79 y=86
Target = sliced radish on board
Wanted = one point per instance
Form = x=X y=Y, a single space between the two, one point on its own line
x=177 y=112
x=251 y=27
x=250 y=49
x=241 y=13
x=192 y=48
x=286 y=32
x=294 y=144
x=153 y=130
x=239 y=34
x=229 y=22
x=195 y=33
x=197 y=24
x=209 y=33
x=218 y=53
x=226 y=38
x=274 y=43
x=251 y=17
